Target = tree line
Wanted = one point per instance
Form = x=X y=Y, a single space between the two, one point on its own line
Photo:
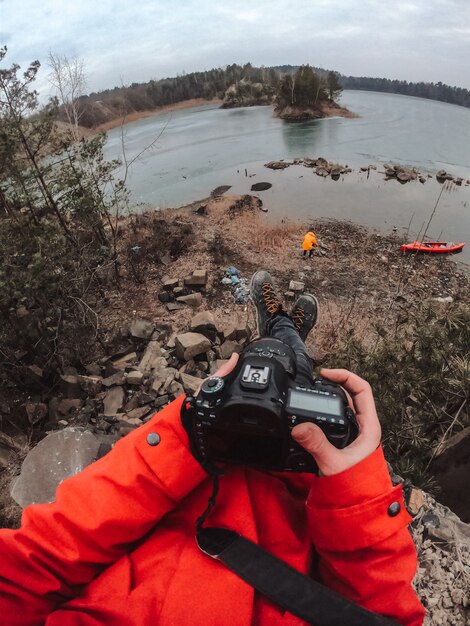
x=100 y=107
x=432 y=91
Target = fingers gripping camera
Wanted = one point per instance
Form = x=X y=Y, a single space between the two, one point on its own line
x=247 y=417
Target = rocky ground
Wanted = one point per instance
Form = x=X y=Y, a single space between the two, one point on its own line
x=180 y=312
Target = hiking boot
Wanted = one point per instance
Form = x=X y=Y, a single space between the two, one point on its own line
x=265 y=299
x=304 y=314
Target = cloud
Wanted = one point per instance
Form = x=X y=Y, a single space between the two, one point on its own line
x=128 y=42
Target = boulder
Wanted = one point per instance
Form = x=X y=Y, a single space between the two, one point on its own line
x=58 y=456
x=141 y=329
x=139 y=413
x=113 y=401
x=204 y=323
x=193 y=299
x=189 y=345
x=197 y=279
x=451 y=468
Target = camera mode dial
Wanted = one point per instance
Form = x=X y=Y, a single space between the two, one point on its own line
x=212 y=386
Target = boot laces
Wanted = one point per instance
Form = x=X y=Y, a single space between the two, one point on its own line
x=272 y=302
x=298 y=317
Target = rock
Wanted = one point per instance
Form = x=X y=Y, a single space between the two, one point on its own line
x=113 y=401
x=446 y=530
x=243 y=331
x=36 y=411
x=152 y=358
x=190 y=383
x=6 y=456
x=204 y=323
x=135 y=377
x=219 y=191
x=193 y=299
x=197 y=279
x=8 y=442
x=116 y=379
x=91 y=385
x=261 y=186
x=124 y=361
x=229 y=332
x=141 y=329
x=70 y=386
x=201 y=209
x=296 y=286
x=189 y=345
x=415 y=501
x=289 y=295
x=163 y=379
x=138 y=413
x=176 y=389
x=63 y=407
x=216 y=365
x=141 y=398
x=277 y=165
x=174 y=306
x=170 y=283
x=58 y=456
x=451 y=467
x=404 y=176
x=226 y=350
x=161 y=401
x=444 y=300
x=164 y=296
x=178 y=291
x=93 y=369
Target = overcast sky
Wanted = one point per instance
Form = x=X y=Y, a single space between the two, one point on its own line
x=122 y=42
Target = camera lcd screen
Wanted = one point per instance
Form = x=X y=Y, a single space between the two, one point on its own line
x=316 y=403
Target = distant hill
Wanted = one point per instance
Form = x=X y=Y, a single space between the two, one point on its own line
x=102 y=107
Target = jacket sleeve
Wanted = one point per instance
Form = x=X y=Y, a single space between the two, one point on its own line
x=97 y=514
x=358 y=524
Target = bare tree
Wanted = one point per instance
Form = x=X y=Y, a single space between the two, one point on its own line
x=67 y=76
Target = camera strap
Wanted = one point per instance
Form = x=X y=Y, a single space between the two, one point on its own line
x=295 y=592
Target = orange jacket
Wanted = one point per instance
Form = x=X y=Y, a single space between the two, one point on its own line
x=309 y=241
x=117 y=546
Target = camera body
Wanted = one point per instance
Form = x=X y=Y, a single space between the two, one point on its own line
x=247 y=417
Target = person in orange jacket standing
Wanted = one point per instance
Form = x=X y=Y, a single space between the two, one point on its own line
x=117 y=545
x=309 y=243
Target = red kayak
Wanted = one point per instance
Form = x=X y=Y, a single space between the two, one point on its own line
x=435 y=247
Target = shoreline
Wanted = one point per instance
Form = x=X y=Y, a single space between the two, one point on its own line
x=139 y=115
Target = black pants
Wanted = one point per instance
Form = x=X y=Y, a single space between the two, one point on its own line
x=282 y=327
x=310 y=253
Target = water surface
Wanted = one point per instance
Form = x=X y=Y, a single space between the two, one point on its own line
x=201 y=148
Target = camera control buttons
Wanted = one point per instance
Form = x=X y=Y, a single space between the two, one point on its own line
x=212 y=386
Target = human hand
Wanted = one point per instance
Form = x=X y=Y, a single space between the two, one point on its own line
x=329 y=459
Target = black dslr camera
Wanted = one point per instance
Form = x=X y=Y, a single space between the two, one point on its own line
x=247 y=416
